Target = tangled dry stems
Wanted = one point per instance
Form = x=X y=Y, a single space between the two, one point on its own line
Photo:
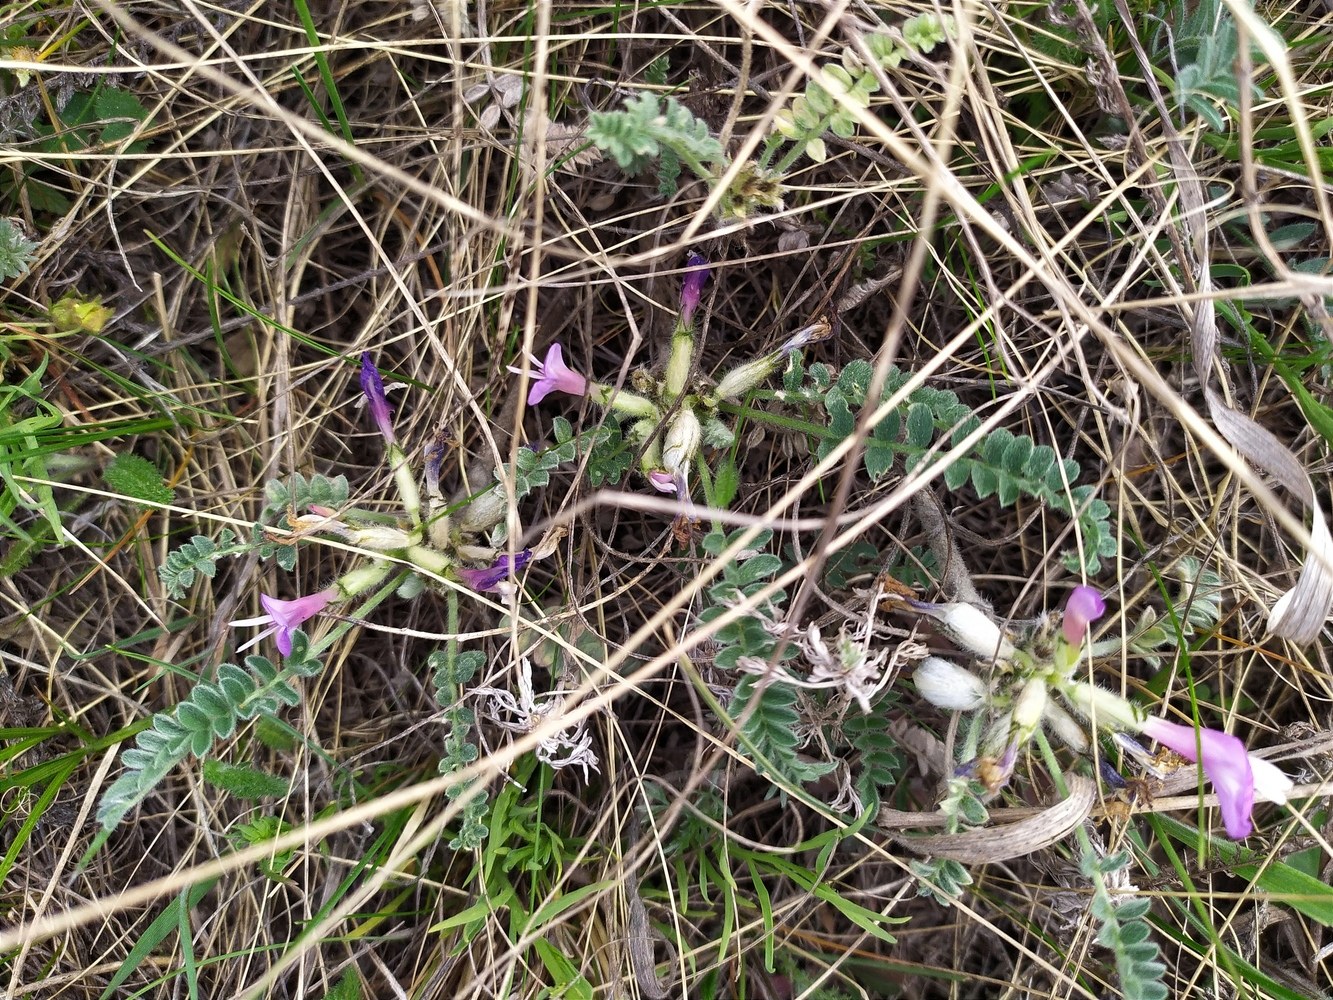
x=248 y=255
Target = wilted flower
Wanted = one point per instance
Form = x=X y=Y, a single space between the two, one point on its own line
x=484 y=510
x=492 y=577
x=553 y=375
x=373 y=388
x=812 y=334
x=692 y=288
x=435 y=453
x=570 y=746
x=849 y=666
x=1237 y=777
x=1085 y=606
x=285 y=617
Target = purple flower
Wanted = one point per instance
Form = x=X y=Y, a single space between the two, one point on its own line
x=373 y=388
x=285 y=617
x=1085 y=606
x=490 y=578
x=553 y=375
x=692 y=288
x=1225 y=761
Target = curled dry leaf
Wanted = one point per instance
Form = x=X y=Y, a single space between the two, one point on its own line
x=567 y=144
x=862 y=290
x=1004 y=841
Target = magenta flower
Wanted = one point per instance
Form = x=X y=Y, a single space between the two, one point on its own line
x=1235 y=776
x=692 y=288
x=285 y=617
x=490 y=577
x=1085 y=606
x=373 y=388
x=553 y=375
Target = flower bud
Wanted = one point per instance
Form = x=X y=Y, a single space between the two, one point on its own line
x=743 y=378
x=969 y=628
x=372 y=386
x=948 y=685
x=1029 y=707
x=486 y=510
x=379 y=537
x=1104 y=707
x=691 y=289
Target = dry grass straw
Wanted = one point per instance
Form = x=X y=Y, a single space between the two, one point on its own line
x=446 y=241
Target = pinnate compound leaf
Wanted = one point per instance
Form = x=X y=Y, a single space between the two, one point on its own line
x=210 y=713
x=771 y=729
x=197 y=557
x=640 y=133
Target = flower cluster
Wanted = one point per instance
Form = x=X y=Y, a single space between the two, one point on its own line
x=440 y=547
x=1032 y=684
x=669 y=419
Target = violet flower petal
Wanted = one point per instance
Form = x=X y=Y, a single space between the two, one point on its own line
x=1226 y=762
x=662 y=481
x=552 y=375
x=692 y=287
x=285 y=617
x=490 y=577
x=373 y=388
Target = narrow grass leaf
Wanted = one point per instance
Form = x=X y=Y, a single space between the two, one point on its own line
x=171 y=918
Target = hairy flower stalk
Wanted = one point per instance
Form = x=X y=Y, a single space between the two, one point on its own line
x=752 y=374
x=747 y=376
x=629 y=403
x=682 y=338
x=373 y=388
